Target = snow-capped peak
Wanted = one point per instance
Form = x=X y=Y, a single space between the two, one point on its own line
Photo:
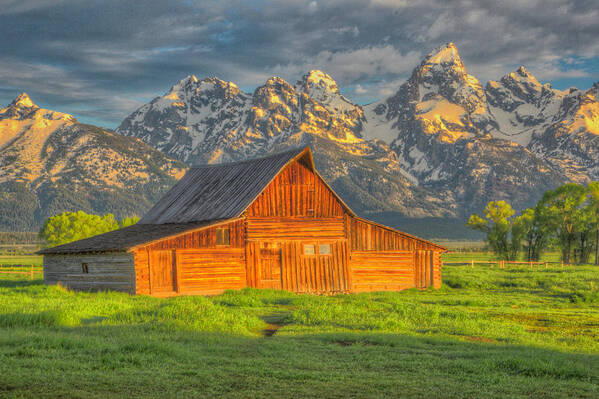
x=446 y=54
x=522 y=77
x=23 y=101
x=444 y=65
x=316 y=79
x=322 y=87
x=594 y=91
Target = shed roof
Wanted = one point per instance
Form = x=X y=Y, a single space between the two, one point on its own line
x=128 y=237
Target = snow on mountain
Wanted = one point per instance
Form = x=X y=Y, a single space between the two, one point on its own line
x=49 y=163
x=275 y=116
x=443 y=144
x=522 y=106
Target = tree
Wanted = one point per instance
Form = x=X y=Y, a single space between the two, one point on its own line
x=72 y=226
x=593 y=194
x=584 y=232
x=128 y=221
x=564 y=208
x=536 y=232
x=504 y=235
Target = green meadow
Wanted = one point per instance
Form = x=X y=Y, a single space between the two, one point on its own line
x=487 y=333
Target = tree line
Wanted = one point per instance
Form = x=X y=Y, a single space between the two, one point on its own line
x=72 y=226
x=566 y=218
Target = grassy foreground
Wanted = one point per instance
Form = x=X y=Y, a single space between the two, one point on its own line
x=488 y=333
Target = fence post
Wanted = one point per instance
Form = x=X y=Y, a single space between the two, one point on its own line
x=531 y=264
x=545 y=265
x=32 y=271
x=472 y=265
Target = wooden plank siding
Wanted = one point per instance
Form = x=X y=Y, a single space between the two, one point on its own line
x=437 y=265
x=211 y=271
x=297 y=208
x=267 y=228
x=384 y=259
x=205 y=238
x=202 y=243
x=381 y=271
x=315 y=273
x=105 y=271
x=370 y=236
x=296 y=191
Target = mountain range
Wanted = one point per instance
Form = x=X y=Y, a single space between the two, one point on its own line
x=50 y=163
x=438 y=149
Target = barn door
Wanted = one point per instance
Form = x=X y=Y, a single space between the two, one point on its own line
x=163 y=278
x=270 y=265
x=423 y=269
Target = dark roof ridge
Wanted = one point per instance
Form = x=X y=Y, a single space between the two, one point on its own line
x=295 y=150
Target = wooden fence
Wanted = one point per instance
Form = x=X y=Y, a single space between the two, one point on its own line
x=502 y=264
x=30 y=270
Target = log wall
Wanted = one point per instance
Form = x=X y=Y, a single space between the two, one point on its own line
x=106 y=271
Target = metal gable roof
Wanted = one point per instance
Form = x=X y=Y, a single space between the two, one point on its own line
x=220 y=191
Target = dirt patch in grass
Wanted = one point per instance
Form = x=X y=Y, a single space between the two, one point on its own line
x=481 y=339
x=271 y=330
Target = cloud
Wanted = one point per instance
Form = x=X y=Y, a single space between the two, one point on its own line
x=349 y=66
x=96 y=55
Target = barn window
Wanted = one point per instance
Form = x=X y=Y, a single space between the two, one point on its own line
x=222 y=236
x=309 y=249
x=84 y=268
x=324 y=249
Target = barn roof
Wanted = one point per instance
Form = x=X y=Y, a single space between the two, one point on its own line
x=128 y=237
x=222 y=191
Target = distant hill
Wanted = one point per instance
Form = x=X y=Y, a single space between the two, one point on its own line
x=50 y=163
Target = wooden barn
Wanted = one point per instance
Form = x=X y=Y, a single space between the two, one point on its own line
x=271 y=222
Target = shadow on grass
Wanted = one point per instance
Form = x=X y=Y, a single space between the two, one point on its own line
x=14 y=283
x=97 y=360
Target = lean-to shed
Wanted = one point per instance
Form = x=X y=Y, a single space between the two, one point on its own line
x=271 y=222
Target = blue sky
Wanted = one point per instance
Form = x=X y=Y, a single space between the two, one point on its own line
x=100 y=60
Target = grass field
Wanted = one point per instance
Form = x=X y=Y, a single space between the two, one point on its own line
x=487 y=333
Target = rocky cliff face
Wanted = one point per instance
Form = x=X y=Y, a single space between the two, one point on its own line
x=49 y=163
